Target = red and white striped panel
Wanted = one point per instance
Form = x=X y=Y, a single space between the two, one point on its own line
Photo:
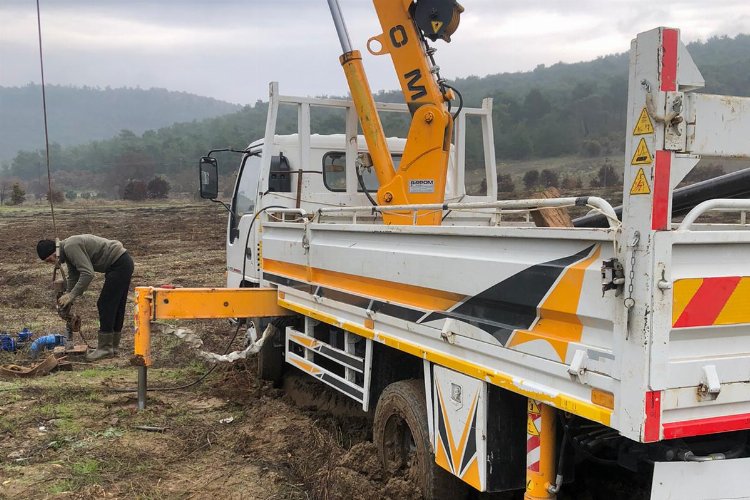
x=533 y=441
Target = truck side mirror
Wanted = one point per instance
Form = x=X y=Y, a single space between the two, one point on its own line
x=209 y=178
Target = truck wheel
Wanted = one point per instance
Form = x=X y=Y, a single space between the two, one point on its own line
x=402 y=437
x=271 y=355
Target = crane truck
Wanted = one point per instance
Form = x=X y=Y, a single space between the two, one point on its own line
x=492 y=353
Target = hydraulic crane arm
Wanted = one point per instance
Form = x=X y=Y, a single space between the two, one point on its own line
x=421 y=176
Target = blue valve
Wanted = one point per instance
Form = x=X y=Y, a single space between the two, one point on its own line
x=25 y=335
x=7 y=343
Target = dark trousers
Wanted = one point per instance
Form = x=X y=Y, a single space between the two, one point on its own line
x=114 y=296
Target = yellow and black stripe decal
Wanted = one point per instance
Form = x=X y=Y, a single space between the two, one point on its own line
x=513 y=304
x=460 y=458
x=394 y=310
x=538 y=303
x=417 y=297
x=558 y=323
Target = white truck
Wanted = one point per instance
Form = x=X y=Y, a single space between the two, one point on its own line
x=492 y=351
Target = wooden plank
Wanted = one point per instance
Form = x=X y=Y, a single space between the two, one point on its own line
x=551 y=217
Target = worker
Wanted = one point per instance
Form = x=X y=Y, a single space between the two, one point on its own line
x=83 y=255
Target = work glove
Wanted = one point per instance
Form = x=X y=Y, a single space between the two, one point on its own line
x=65 y=300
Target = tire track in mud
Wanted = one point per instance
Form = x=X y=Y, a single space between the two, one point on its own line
x=312 y=437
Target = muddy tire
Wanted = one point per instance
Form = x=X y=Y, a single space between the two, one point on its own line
x=271 y=355
x=402 y=438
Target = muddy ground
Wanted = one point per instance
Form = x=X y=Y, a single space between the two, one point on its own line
x=71 y=435
x=76 y=435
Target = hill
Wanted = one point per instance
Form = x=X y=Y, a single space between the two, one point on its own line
x=80 y=115
x=563 y=111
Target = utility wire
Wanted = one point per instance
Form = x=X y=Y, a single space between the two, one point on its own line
x=44 y=109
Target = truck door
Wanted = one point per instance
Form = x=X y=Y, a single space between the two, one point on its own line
x=241 y=246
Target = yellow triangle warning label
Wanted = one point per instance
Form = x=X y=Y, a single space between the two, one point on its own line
x=642 y=155
x=533 y=407
x=531 y=429
x=644 y=125
x=436 y=25
x=640 y=184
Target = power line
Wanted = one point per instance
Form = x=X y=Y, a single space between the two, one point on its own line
x=44 y=109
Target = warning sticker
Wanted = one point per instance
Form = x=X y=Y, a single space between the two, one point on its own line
x=642 y=155
x=436 y=25
x=644 y=125
x=531 y=429
x=533 y=407
x=640 y=184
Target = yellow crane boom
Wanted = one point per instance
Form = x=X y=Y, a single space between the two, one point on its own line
x=421 y=176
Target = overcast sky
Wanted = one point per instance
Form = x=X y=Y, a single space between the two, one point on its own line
x=231 y=49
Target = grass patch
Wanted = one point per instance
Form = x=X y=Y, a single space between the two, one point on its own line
x=85 y=467
x=63 y=411
x=69 y=426
x=61 y=486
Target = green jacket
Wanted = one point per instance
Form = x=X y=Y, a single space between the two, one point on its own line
x=84 y=254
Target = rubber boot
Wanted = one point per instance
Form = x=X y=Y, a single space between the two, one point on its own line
x=104 y=347
x=116 y=343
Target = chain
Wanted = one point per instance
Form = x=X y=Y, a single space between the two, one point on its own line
x=629 y=301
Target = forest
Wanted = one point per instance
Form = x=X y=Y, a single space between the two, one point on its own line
x=77 y=115
x=557 y=111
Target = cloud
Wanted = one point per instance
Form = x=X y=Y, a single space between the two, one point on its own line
x=230 y=49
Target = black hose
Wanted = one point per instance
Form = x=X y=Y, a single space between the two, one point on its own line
x=247 y=239
x=460 y=99
x=364 y=188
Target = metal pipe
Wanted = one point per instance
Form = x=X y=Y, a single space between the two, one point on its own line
x=709 y=205
x=530 y=204
x=142 y=386
x=298 y=211
x=142 y=339
x=338 y=21
x=731 y=185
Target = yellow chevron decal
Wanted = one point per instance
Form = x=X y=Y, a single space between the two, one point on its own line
x=471 y=475
x=457 y=449
x=441 y=458
x=461 y=449
x=448 y=432
x=558 y=322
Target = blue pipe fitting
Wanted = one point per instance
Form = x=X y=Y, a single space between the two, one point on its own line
x=46 y=342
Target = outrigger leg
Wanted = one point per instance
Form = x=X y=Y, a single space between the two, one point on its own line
x=541 y=442
x=153 y=304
